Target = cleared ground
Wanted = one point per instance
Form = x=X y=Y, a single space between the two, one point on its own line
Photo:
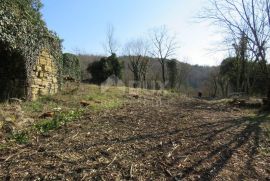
x=147 y=137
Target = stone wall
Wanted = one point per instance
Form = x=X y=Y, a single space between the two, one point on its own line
x=44 y=76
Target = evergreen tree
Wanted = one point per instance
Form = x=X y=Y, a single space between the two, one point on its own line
x=104 y=68
x=172 y=73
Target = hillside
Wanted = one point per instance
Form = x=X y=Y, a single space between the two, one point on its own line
x=192 y=78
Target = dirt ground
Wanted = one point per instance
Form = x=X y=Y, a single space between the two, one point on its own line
x=148 y=139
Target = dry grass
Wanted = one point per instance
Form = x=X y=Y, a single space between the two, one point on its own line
x=145 y=136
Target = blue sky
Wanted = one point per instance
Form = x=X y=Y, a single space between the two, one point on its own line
x=82 y=24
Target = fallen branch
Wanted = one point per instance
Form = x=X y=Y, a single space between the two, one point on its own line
x=112 y=160
x=131 y=171
x=170 y=153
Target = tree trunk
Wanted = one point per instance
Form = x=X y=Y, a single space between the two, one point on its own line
x=268 y=92
x=163 y=73
x=136 y=79
x=266 y=70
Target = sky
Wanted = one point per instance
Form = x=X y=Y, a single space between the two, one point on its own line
x=83 y=23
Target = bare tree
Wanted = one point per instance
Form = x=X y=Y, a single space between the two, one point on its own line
x=137 y=51
x=248 y=17
x=241 y=64
x=164 y=46
x=110 y=45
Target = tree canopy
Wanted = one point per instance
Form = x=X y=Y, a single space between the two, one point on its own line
x=104 y=68
x=71 y=66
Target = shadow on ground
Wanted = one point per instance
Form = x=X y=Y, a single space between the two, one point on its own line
x=187 y=141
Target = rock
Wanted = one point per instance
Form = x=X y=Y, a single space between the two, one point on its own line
x=236 y=109
x=57 y=109
x=97 y=102
x=266 y=102
x=135 y=96
x=105 y=153
x=242 y=103
x=84 y=103
x=8 y=127
x=15 y=100
x=1 y=136
x=18 y=108
x=24 y=123
x=46 y=115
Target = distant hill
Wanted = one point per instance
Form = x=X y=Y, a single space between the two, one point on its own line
x=191 y=77
x=198 y=75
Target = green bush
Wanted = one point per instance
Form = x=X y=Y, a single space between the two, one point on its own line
x=71 y=67
x=101 y=70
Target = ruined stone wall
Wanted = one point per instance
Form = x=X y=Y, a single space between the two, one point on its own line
x=44 y=76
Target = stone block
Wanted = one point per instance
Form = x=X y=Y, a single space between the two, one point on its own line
x=48 y=68
x=34 y=86
x=39 y=68
x=40 y=74
x=37 y=81
x=49 y=62
x=54 y=80
x=35 y=90
x=34 y=97
x=44 y=91
x=45 y=83
x=42 y=61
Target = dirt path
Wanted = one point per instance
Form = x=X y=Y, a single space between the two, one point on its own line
x=177 y=140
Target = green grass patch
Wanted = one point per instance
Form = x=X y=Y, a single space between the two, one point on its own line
x=97 y=96
x=20 y=137
x=66 y=106
x=108 y=104
x=34 y=106
x=58 y=120
x=110 y=98
x=3 y=146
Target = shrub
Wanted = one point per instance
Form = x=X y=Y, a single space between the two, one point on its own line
x=116 y=66
x=71 y=67
x=101 y=70
x=20 y=137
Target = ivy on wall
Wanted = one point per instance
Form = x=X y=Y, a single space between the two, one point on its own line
x=22 y=30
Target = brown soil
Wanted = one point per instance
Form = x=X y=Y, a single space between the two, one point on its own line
x=148 y=140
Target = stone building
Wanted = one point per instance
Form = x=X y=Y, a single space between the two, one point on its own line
x=30 y=54
x=15 y=83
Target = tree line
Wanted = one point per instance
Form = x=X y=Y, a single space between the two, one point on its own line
x=139 y=54
x=246 y=28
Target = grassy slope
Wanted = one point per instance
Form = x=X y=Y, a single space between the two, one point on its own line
x=66 y=106
x=157 y=135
